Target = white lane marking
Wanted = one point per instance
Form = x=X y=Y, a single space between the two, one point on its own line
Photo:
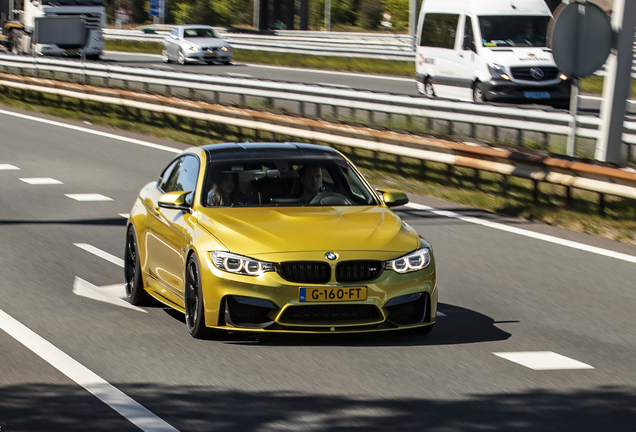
x=7 y=167
x=526 y=233
x=440 y=314
x=41 y=181
x=88 y=197
x=239 y=75
x=91 y=131
x=127 y=407
x=333 y=85
x=543 y=360
x=112 y=293
x=100 y=253
x=124 y=215
x=329 y=72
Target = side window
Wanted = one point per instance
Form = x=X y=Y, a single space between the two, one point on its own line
x=469 y=38
x=439 y=30
x=168 y=173
x=183 y=177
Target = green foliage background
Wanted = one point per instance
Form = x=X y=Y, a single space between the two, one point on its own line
x=239 y=13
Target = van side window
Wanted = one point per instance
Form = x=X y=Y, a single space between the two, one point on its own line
x=439 y=30
x=469 y=38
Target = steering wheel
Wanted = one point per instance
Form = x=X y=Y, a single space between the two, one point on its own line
x=330 y=198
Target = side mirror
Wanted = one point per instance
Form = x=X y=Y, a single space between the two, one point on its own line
x=393 y=197
x=175 y=201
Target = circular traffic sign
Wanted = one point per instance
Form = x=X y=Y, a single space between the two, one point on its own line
x=581 y=39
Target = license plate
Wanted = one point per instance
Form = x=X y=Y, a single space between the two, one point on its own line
x=210 y=54
x=536 y=95
x=72 y=51
x=332 y=294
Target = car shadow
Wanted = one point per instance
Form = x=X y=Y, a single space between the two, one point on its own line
x=454 y=325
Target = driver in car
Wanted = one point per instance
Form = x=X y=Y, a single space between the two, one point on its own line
x=311 y=179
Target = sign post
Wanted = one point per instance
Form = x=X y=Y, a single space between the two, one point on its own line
x=581 y=41
x=158 y=11
x=616 y=87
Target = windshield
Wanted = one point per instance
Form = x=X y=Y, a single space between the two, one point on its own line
x=190 y=33
x=512 y=31
x=285 y=182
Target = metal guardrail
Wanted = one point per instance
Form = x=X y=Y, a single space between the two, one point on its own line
x=384 y=47
x=377 y=108
x=570 y=173
x=398 y=47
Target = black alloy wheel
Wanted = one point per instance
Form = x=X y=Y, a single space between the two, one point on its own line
x=429 y=91
x=135 y=291
x=195 y=320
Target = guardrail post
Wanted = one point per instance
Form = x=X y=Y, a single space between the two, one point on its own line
x=495 y=133
x=476 y=180
x=146 y=87
x=216 y=97
x=370 y=117
x=451 y=127
x=546 y=141
x=423 y=169
x=504 y=186
x=601 y=204
x=520 y=137
x=168 y=89
x=334 y=111
x=449 y=174
x=301 y=107
x=535 y=193
x=376 y=156
x=473 y=130
x=568 y=196
x=192 y=94
x=242 y=99
x=318 y=110
x=399 y=165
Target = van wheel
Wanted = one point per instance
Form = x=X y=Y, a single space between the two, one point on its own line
x=478 y=93
x=429 y=91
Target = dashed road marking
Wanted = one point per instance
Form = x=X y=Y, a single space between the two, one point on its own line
x=89 y=197
x=41 y=181
x=543 y=360
x=239 y=75
x=108 y=294
x=100 y=253
x=126 y=406
x=7 y=167
x=333 y=85
x=526 y=233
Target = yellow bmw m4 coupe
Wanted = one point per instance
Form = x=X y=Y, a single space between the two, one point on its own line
x=277 y=237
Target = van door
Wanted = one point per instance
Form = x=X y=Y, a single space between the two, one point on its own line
x=437 y=53
x=467 y=55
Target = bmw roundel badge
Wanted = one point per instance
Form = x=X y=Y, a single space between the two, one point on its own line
x=331 y=256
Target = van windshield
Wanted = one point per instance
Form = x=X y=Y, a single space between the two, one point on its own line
x=513 y=31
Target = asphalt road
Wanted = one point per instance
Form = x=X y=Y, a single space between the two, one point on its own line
x=358 y=81
x=561 y=300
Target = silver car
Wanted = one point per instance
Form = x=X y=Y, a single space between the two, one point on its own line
x=200 y=43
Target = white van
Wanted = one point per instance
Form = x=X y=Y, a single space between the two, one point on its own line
x=488 y=50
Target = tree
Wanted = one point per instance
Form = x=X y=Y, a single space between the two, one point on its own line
x=370 y=14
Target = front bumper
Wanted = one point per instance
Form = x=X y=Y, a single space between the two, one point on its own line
x=269 y=303
x=508 y=91
x=199 y=56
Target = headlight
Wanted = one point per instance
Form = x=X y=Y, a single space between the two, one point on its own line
x=498 y=71
x=414 y=261
x=238 y=264
x=224 y=48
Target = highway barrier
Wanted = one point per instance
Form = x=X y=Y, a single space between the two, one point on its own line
x=514 y=125
x=600 y=178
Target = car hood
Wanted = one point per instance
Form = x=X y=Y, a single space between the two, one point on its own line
x=255 y=231
x=206 y=42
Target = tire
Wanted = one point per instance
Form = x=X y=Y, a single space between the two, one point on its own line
x=227 y=62
x=429 y=90
x=93 y=57
x=194 y=316
x=478 y=93
x=135 y=291
x=164 y=56
x=181 y=58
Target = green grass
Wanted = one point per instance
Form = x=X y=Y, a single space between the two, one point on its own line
x=589 y=85
x=429 y=179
